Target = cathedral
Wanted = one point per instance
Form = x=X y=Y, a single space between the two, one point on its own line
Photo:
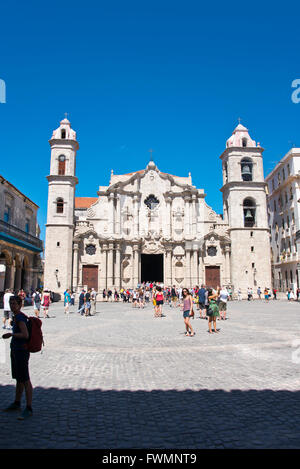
x=155 y=226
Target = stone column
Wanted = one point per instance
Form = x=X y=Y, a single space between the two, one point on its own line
x=111 y=212
x=118 y=266
x=186 y=215
x=168 y=273
x=75 y=265
x=194 y=214
x=110 y=253
x=194 y=269
x=12 y=275
x=103 y=267
x=118 y=216
x=227 y=264
x=135 y=264
x=168 y=221
x=135 y=216
x=187 y=277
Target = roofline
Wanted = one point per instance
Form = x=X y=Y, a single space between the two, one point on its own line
x=283 y=160
x=27 y=199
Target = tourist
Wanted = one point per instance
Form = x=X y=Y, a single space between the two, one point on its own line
x=292 y=296
x=46 y=302
x=104 y=295
x=239 y=294
x=22 y=295
x=81 y=302
x=274 y=294
x=266 y=294
x=7 y=315
x=94 y=300
x=259 y=293
x=19 y=359
x=36 y=301
x=174 y=296
x=141 y=302
x=135 y=296
x=230 y=293
x=87 y=303
x=249 y=293
x=67 y=301
x=201 y=301
x=188 y=312
x=223 y=298
x=147 y=296
x=159 y=297
x=109 y=294
x=73 y=298
x=212 y=311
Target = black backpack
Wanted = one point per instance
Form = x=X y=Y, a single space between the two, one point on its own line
x=37 y=298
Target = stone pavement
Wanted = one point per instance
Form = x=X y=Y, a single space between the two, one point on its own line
x=123 y=379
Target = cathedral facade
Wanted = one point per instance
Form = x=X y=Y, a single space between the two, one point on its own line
x=154 y=226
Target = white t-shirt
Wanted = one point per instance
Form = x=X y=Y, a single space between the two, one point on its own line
x=6 y=301
x=224 y=296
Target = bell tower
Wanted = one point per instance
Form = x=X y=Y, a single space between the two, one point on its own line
x=60 y=212
x=245 y=210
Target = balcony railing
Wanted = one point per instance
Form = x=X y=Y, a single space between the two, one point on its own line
x=20 y=235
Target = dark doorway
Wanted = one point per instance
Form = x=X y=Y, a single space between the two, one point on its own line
x=90 y=276
x=212 y=276
x=152 y=267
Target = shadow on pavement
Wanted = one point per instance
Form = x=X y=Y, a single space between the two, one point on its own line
x=67 y=418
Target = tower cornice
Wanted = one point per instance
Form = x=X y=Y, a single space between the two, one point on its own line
x=239 y=150
x=242 y=185
x=63 y=143
x=62 y=179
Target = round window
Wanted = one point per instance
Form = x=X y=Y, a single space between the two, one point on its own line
x=62 y=158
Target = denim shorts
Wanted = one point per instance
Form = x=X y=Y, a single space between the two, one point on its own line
x=186 y=314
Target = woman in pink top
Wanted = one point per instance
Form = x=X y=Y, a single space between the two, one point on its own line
x=159 y=297
x=187 y=312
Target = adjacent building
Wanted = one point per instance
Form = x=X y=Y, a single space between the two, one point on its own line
x=20 y=245
x=284 y=220
x=150 y=225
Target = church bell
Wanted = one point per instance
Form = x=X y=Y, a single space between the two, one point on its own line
x=248 y=214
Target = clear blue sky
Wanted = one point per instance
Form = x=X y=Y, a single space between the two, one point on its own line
x=172 y=76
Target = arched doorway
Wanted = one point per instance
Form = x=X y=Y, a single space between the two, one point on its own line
x=5 y=270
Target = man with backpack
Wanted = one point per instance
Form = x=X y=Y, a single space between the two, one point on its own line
x=36 y=299
x=20 y=358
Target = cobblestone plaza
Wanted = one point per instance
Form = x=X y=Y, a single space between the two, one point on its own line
x=122 y=379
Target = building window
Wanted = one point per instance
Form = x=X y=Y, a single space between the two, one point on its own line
x=63 y=133
x=288 y=169
x=61 y=165
x=244 y=142
x=7 y=214
x=151 y=202
x=252 y=248
x=246 y=169
x=291 y=193
x=27 y=226
x=251 y=234
x=249 y=208
x=286 y=197
x=288 y=221
x=58 y=244
x=279 y=178
x=59 y=205
x=275 y=208
x=283 y=175
x=273 y=185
